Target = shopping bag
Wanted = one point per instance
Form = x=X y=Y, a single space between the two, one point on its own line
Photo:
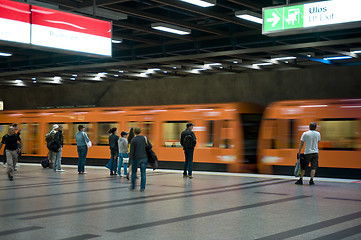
x=297 y=171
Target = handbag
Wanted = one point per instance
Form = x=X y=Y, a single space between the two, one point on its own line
x=88 y=144
x=152 y=157
x=297 y=171
x=125 y=160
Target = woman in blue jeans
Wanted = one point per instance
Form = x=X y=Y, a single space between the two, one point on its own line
x=81 y=140
x=138 y=156
x=123 y=153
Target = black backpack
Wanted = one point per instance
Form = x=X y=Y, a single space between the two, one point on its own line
x=188 y=141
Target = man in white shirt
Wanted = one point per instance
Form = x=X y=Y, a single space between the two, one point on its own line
x=311 y=139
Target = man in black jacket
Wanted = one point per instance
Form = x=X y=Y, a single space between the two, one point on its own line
x=11 y=141
x=188 y=141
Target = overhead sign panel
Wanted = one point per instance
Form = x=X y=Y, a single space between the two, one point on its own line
x=14 y=21
x=308 y=17
x=56 y=29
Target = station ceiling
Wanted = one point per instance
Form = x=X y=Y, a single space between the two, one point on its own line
x=219 y=43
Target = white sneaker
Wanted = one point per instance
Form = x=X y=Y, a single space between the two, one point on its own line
x=61 y=170
x=4 y=165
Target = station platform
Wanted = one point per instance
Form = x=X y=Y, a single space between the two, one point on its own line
x=43 y=204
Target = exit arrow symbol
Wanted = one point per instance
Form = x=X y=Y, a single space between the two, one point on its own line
x=275 y=19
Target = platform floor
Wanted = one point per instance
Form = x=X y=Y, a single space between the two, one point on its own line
x=41 y=204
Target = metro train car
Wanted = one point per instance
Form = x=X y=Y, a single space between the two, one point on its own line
x=339 y=122
x=226 y=133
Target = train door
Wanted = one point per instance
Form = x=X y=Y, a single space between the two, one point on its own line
x=250 y=127
x=30 y=140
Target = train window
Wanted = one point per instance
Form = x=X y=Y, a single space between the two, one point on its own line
x=74 y=130
x=30 y=138
x=103 y=135
x=130 y=125
x=172 y=133
x=340 y=134
x=148 y=130
x=210 y=134
x=66 y=130
x=225 y=133
x=4 y=128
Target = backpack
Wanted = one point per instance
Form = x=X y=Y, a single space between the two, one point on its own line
x=188 y=141
x=49 y=137
x=44 y=163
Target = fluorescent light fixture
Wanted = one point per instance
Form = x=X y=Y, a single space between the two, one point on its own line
x=4 y=54
x=117 y=41
x=153 y=69
x=97 y=78
x=57 y=78
x=212 y=64
x=116 y=75
x=102 y=73
x=165 y=71
x=33 y=78
x=262 y=64
x=201 y=3
x=249 y=16
x=170 y=28
x=34 y=81
x=283 y=58
x=72 y=79
x=337 y=58
x=18 y=81
x=356 y=51
x=199 y=69
x=74 y=75
x=121 y=71
x=235 y=62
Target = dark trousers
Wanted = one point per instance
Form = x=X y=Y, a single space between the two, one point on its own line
x=188 y=165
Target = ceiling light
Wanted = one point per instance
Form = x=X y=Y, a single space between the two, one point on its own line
x=170 y=28
x=117 y=41
x=18 y=81
x=102 y=73
x=4 y=54
x=74 y=75
x=212 y=64
x=153 y=69
x=283 y=58
x=72 y=79
x=116 y=75
x=262 y=64
x=249 y=16
x=201 y=3
x=57 y=78
x=34 y=81
x=356 y=51
x=97 y=78
x=235 y=62
x=337 y=58
x=33 y=78
x=165 y=71
x=121 y=71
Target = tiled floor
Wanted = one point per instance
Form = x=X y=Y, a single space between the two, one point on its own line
x=41 y=204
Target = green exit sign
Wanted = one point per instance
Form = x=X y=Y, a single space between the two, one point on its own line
x=309 y=17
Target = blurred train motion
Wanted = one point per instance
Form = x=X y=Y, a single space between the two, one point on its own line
x=231 y=137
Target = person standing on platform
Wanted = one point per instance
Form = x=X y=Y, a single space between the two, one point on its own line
x=138 y=156
x=311 y=139
x=114 y=151
x=123 y=153
x=130 y=137
x=11 y=141
x=81 y=141
x=188 y=141
x=16 y=128
x=57 y=163
x=53 y=144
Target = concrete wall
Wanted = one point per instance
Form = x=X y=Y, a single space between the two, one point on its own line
x=259 y=87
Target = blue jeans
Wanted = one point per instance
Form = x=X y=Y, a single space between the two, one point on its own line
x=57 y=161
x=188 y=153
x=113 y=160
x=143 y=165
x=121 y=156
x=82 y=152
